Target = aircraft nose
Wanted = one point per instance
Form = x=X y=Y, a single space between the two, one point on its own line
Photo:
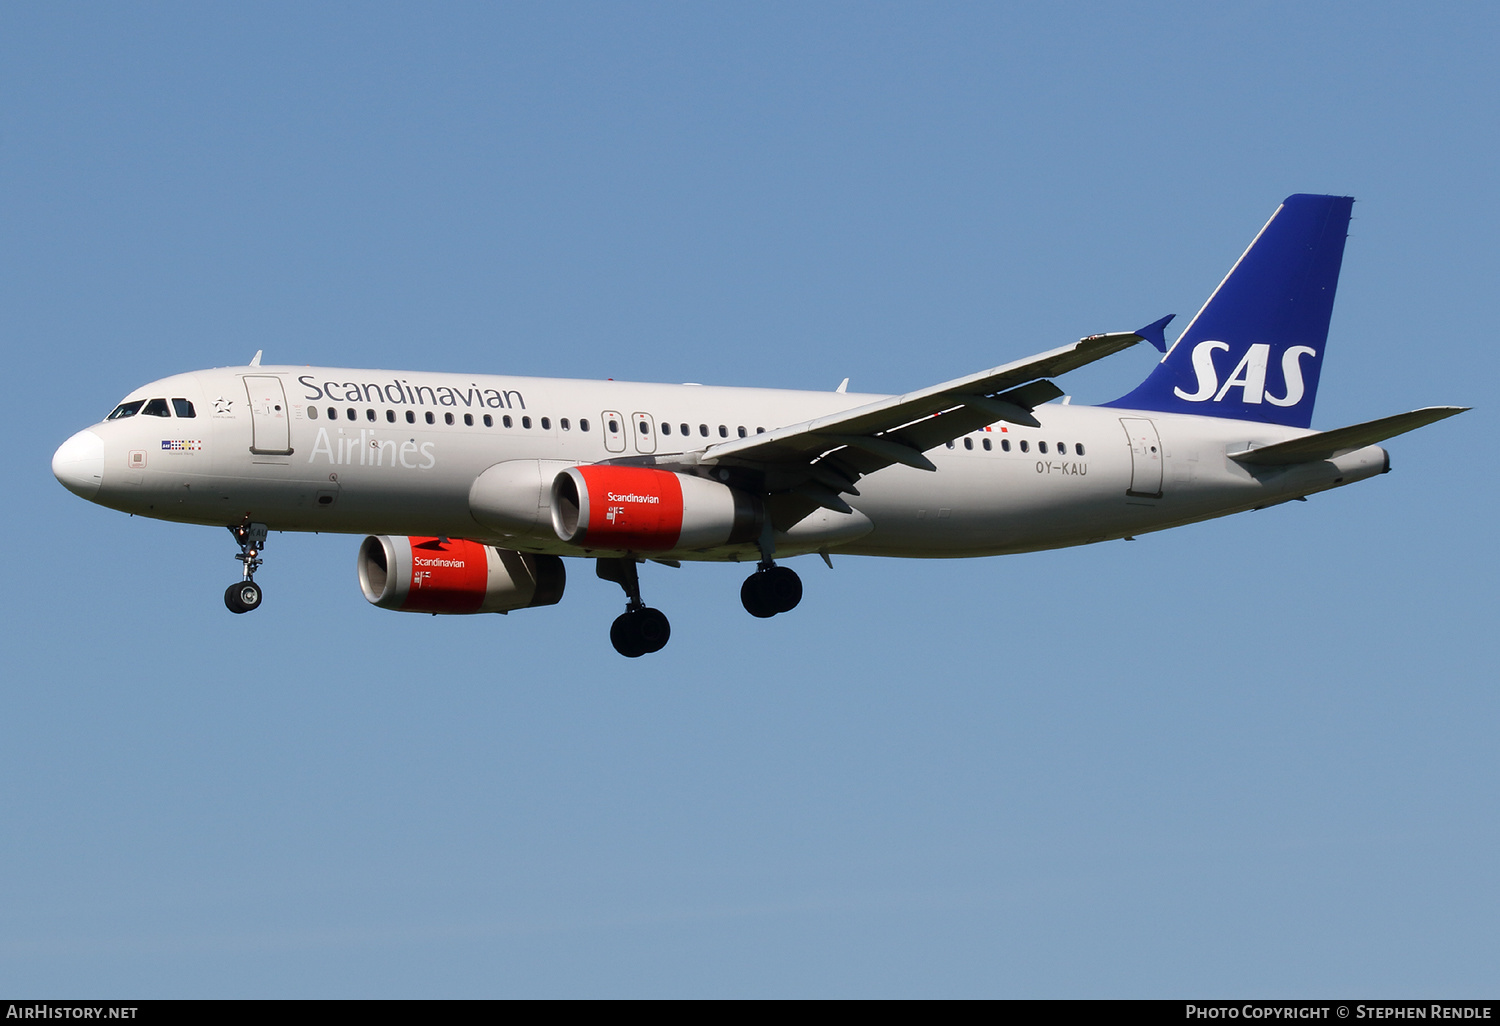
x=79 y=464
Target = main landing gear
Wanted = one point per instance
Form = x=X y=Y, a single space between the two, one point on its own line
x=770 y=590
x=640 y=629
x=245 y=595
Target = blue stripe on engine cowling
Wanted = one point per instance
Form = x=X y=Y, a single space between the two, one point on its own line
x=1255 y=350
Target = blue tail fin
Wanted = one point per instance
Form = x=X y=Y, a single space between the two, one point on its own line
x=1255 y=350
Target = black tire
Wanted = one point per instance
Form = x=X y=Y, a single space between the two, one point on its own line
x=654 y=629
x=625 y=635
x=783 y=588
x=242 y=597
x=755 y=597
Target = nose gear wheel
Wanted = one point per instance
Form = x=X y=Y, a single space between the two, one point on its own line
x=246 y=595
x=242 y=597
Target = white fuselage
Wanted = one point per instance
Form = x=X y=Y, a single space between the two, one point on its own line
x=354 y=452
x=365 y=451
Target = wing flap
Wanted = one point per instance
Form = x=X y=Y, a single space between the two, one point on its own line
x=912 y=420
x=1327 y=444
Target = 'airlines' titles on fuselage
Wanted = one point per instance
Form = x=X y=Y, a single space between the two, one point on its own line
x=408 y=394
x=372 y=451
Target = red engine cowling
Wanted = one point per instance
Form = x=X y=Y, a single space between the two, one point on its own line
x=436 y=575
x=639 y=509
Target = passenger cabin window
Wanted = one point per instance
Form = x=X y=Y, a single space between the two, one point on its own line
x=986 y=443
x=411 y=416
x=564 y=424
x=723 y=431
x=1025 y=447
x=448 y=419
x=429 y=417
x=968 y=443
x=666 y=428
x=1078 y=449
x=685 y=430
x=526 y=423
x=370 y=415
x=742 y=431
x=1041 y=447
x=546 y=424
x=614 y=426
x=1005 y=444
x=390 y=416
x=312 y=413
x=157 y=408
x=507 y=421
x=468 y=420
x=183 y=409
x=126 y=410
x=583 y=425
x=1062 y=448
x=352 y=414
x=489 y=421
x=703 y=430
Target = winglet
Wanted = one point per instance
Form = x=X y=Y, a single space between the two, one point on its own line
x=1156 y=332
x=255 y=360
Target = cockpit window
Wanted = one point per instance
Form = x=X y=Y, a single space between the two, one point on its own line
x=126 y=410
x=183 y=408
x=157 y=408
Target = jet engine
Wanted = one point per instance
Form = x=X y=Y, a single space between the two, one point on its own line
x=454 y=575
x=639 y=509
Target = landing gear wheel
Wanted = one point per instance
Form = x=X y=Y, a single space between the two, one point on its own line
x=242 y=597
x=784 y=588
x=773 y=590
x=639 y=631
x=754 y=597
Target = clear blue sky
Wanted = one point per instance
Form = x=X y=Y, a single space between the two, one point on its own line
x=1251 y=757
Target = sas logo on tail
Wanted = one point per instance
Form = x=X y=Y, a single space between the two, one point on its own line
x=1249 y=375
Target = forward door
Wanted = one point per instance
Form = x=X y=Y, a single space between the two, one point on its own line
x=271 y=427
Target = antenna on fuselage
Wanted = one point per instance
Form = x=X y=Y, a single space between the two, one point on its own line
x=255 y=360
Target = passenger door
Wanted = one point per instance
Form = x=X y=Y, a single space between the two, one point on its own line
x=271 y=427
x=1145 y=457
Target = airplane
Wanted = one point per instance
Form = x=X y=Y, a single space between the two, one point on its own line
x=472 y=490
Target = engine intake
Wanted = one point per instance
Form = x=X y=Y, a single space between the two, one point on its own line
x=437 y=575
x=639 y=509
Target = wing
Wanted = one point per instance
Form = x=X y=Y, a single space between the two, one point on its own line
x=816 y=462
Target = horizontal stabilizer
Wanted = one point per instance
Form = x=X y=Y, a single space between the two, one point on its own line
x=1327 y=444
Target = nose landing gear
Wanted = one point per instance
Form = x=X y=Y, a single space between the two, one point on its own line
x=770 y=590
x=640 y=629
x=246 y=595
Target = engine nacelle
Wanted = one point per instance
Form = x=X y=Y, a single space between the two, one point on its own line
x=639 y=509
x=515 y=497
x=436 y=575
